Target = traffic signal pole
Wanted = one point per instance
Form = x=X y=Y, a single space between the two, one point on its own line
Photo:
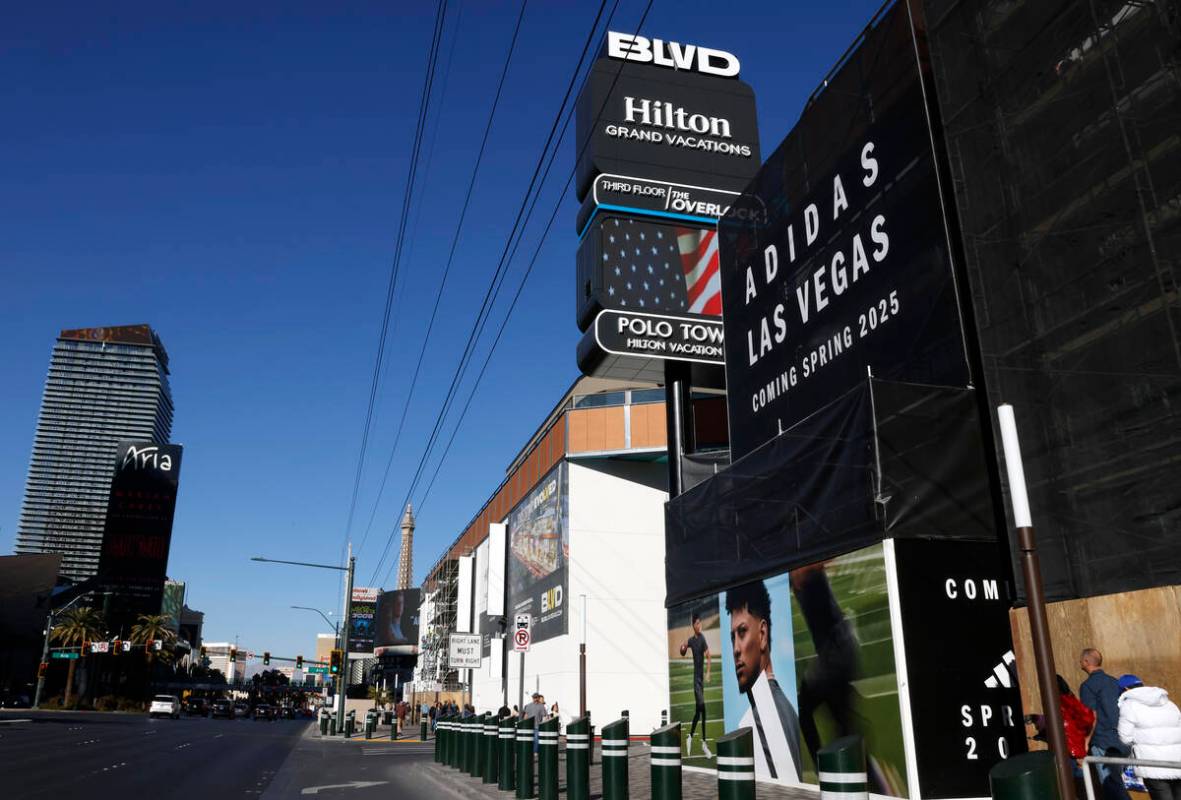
x=342 y=681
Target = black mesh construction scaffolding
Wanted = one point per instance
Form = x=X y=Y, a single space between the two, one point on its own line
x=1062 y=125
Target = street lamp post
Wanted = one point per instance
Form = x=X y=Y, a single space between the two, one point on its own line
x=45 y=649
x=342 y=680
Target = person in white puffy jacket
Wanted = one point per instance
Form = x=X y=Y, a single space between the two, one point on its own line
x=1151 y=723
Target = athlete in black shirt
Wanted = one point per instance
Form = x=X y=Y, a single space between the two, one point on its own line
x=701 y=669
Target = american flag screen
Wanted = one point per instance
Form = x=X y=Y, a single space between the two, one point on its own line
x=635 y=265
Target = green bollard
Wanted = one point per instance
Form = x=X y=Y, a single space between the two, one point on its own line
x=736 y=765
x=323 y=724
x=424 y=730
x=441 y=739
x=615 y=743
x=438 y=746
x=1030 y=776
x=332 y=725
x=449 y=740
x=506 y=738
x=590 y=751
x=547 y=759
x=491 y=749
x=476 y=756
x=666 y=762
x=525 y=759
x=577 y=759
x=841 y=765
x=464 y=739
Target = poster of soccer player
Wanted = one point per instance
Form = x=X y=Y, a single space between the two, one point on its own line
x=844 y=664
x=695 y=677
x=759 y=674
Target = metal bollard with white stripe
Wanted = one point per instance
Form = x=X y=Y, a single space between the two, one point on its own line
x=525 y=759
x=577 y=760
x=491 y=749
x=615 y=736
x=842 y=770
x=475 y=762
x=547 y=759
x=736 y=765
x=666 y=762
x=507 y=735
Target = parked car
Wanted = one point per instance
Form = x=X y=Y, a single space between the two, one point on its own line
x=263 y=711
x=221 y=707
x=241 y=709
x=165 y=705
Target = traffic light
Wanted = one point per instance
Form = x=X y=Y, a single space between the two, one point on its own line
x=334 y=664
x=41 y=670
x=233 y=654
x=116 y=647
x=299 y=662
x=203 y=651
x=266 y=658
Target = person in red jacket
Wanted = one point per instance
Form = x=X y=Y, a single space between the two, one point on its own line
x=1077 y=722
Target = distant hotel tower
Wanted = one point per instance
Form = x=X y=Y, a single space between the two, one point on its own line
x=104 y=385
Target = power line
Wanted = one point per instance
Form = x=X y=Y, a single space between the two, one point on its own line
x=516 y=228
x=447 y=268
x=423 y=106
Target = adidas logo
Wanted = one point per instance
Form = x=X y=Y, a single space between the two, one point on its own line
x=1002 y=675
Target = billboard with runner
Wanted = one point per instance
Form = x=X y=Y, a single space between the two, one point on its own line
x=539 y=547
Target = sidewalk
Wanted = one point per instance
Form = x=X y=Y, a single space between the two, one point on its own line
x=694 y=785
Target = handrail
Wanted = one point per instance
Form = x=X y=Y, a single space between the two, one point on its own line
x=1123 y=762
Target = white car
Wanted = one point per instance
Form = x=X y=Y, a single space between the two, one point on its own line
x=165 y=705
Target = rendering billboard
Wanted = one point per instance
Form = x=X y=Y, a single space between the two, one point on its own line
x=836 y=262
x=172 y=603
x=137 y=533
x=395 y=627
x=539 y=547
x=362 y=622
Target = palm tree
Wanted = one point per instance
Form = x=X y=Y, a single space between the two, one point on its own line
x=150 y=628
x=73 y=628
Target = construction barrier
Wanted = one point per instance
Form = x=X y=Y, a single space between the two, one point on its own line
x=491 y=749
x=577 y=759
x=506 y=780
x=666 y=762
x=615 y=744
x=547 y=759
x=525 y=759
x=841 y=764
x=1028 y=776
x=736 y=765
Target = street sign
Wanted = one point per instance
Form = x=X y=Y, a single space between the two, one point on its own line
x=63 y=654
x=316 y=670
x=464 y=650
x=521 y=633
x=100 y=647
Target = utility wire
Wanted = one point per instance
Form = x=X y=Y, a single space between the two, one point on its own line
x=423 y=106
x=446 y=270
x=498 y=278
x=516 y=228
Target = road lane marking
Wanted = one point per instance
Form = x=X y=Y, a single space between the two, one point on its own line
x=349 y=785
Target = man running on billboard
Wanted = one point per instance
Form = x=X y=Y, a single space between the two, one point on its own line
x=771 y=715
x=702 y=663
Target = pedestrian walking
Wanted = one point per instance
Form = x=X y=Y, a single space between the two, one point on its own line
x=1150 y=723
x=504 y=711
x=1077 y=722
x=1101 y=693
x=553 y=710
x=536 y=712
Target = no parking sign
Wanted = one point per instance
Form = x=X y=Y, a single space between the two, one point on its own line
x=521 y=633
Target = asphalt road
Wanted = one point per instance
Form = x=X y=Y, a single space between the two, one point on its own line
x=65 y=755
x=356 y=769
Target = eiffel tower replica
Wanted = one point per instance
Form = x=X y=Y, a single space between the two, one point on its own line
x=406 y=555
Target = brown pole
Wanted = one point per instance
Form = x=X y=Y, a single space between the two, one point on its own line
x=1043 y=656
x=582 y=679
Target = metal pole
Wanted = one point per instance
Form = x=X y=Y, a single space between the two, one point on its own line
x=674 y=412
x=343 y=683
x=44 y=660
x=1039 y=626
x=582 y=664
x=521 y=685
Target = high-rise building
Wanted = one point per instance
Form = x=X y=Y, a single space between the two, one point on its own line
x=105 y=385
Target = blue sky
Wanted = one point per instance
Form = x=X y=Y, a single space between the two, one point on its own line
x=233 y=175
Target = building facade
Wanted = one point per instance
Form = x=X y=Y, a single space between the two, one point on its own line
x=105 y=385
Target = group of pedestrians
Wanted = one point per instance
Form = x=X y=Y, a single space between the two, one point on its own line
x=1122 y=717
